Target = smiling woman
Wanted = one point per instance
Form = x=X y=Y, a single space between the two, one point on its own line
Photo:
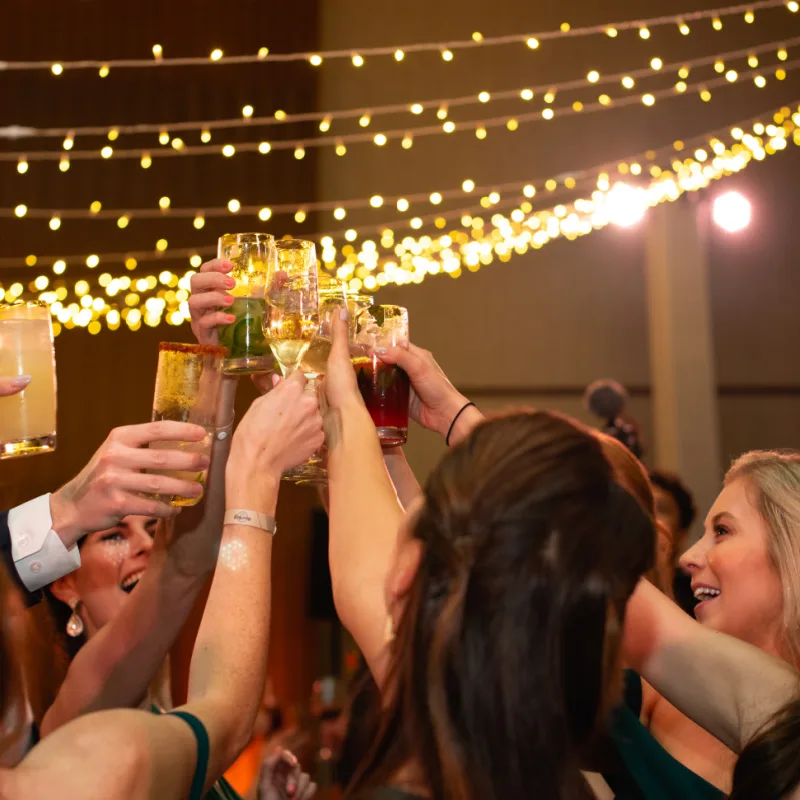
x=745 y=572
x=112 y=562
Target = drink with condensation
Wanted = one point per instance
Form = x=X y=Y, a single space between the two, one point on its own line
x=253 y=258
x=187 y=385
x=385 y=388
x=28 y=419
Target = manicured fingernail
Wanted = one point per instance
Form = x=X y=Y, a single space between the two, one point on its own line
x=229 y=318
x=381 y=351
x=230 y=282
x=21 y=381
x=291 y=787
x=344 y=314
x=227 y=265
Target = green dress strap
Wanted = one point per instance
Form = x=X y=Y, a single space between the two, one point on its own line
x=651 y=772
x=221 y=790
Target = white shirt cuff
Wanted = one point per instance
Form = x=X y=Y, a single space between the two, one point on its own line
x=38 y=552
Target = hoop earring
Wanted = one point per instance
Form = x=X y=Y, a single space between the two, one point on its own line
x=74 y=623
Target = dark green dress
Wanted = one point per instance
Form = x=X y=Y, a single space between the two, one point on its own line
x=650 y=772
x=221 y=790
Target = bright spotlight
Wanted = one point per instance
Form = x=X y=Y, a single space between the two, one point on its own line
x=626 y=205
x=732 y=211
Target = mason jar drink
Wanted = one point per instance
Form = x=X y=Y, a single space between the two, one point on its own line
x=253 y=257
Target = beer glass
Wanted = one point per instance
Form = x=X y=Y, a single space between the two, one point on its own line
x=187 y=386
x=384 y=387
x=253 y=258
x=28 y=418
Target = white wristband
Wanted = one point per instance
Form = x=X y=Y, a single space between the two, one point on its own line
x=253 y=519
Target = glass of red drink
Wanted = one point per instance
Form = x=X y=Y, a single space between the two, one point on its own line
x=384 y=387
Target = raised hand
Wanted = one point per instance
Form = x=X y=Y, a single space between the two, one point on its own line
x=112 y=485
x=209 y=298
x=280 y=430
x=434 y=400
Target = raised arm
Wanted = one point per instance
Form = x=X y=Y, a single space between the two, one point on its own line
x=403 y=479
x=728 y=687
x=435 y=403
x=229 y=663
x=115 y=667
x=364 y=510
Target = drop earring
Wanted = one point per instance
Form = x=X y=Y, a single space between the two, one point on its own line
x=74 y=623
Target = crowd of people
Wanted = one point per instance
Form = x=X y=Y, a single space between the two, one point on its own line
x=532 y=621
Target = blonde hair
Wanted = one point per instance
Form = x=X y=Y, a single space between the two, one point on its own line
x=776 y=477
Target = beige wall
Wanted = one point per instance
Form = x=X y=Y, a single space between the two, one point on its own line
x=560 y=317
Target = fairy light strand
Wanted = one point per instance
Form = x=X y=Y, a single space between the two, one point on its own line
x=359 y=55
x=398 y=134
x=329 y=117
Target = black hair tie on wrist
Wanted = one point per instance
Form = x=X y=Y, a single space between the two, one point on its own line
x=455 y=419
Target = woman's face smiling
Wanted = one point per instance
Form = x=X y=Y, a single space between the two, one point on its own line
x=112 y=563
x=733 y=575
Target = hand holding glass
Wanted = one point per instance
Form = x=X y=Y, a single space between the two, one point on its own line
x=253 y=258
x=187 y=386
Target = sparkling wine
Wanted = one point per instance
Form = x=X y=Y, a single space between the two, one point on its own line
x=289 y=334
x=315 y=361
x=203 y=446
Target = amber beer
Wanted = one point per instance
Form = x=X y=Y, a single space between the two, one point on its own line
x=385 y=387
x=187 y=386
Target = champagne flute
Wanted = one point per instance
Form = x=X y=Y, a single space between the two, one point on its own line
x=291 y=315
x=332 y=298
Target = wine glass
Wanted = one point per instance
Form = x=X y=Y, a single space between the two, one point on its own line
x=291 y=314
x=332 y=298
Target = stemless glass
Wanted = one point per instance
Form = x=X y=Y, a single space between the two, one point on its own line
x=384 y=387
x=253 y=257
x=291 y=313
x=332 y=298
x=187 y=385
x=28 y=419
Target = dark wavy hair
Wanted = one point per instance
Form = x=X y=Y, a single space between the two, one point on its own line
x=507 y=656
x=769 y=767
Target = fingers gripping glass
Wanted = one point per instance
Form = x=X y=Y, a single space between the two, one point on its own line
x=253 y=257
x=187 y=386
x=28 y=418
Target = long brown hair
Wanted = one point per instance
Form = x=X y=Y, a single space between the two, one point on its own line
x=507 y=654
x=12 y=694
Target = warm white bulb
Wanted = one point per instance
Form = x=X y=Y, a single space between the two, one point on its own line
x=732 y=211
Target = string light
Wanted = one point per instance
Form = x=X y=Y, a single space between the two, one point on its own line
x=216 y=54
x=103 y=71
x=158 y=52
x=55 y=223
x=22 y=165
x=357 y=60
x=644 y=33
x=281 y=116
x=399 y=55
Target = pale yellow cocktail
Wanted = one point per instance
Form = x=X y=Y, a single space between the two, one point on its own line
x=28 y=419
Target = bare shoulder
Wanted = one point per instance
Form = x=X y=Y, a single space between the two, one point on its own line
x=102 y=755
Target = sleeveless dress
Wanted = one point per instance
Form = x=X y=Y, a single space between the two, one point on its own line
x=221 y=790
x=650 y=772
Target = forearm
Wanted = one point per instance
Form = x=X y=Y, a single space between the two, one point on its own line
x=728 y=687
x=467 y=421
x=364 y=518
x=115 y=667
x=405 y=483
x=229 y=662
